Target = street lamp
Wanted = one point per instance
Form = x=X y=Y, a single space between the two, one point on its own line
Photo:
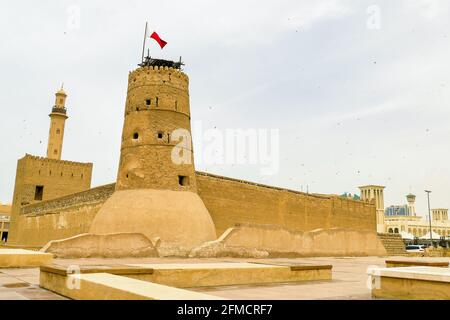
x=429 y=216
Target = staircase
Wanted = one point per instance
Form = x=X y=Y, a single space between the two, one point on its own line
x=393 y=243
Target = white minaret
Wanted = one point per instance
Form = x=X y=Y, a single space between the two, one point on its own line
x=411 y=204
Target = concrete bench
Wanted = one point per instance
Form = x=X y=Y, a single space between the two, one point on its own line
x=189 y=275
x=106 y=286
x=185 y=275
x=412 y=283
x=415 y=263
x=19 y=258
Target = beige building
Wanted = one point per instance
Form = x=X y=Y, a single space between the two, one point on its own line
x=419 y=226
x=5 y=211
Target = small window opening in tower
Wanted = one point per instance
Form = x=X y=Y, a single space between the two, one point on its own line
x=168 y=137
x=160 y=135
x=135 y=136
x=148 y=102
x=72 y=175
x=176 y=105
x=58 y=131
x=157 y=101
x=82 y=176
x=183 y=180
x=50 y=172
x=61 y=174
x=55 y=151
x=38 y=193
x=127 y=175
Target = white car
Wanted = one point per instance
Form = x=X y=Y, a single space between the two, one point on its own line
x=415 y=248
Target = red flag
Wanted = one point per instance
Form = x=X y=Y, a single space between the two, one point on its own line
x=160 y=41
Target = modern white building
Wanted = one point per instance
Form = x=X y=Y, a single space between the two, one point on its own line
x=415 y=225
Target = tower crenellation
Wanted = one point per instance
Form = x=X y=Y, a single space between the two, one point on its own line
x=162 y=89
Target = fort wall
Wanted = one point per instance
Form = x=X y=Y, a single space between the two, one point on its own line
x=60 y=218
x=230 y=202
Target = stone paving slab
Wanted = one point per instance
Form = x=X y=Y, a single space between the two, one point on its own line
x=11 y=295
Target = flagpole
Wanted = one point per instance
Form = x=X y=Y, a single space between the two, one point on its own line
x=145 y=36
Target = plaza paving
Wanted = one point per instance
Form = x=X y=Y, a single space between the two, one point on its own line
x=350 y=280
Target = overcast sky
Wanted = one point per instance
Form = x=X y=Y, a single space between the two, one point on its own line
x=359 y=90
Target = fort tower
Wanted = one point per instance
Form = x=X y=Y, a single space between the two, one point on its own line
x=154 y=154
x=156 y=189
x=57 y=122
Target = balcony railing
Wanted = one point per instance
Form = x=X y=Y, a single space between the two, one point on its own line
x=59 y=110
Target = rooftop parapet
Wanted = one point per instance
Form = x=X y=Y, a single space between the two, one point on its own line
x=43 y=159
x=152 y=62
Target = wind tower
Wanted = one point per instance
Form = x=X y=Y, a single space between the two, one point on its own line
x=375 y=194
x=58 y=119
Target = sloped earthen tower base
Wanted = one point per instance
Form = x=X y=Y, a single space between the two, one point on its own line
x=178 y=218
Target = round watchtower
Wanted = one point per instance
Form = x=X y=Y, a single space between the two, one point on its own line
x=156 y=150
x=156 y=191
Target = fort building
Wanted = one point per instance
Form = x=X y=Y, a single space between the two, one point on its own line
x=158 y=192
x=41 y=179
